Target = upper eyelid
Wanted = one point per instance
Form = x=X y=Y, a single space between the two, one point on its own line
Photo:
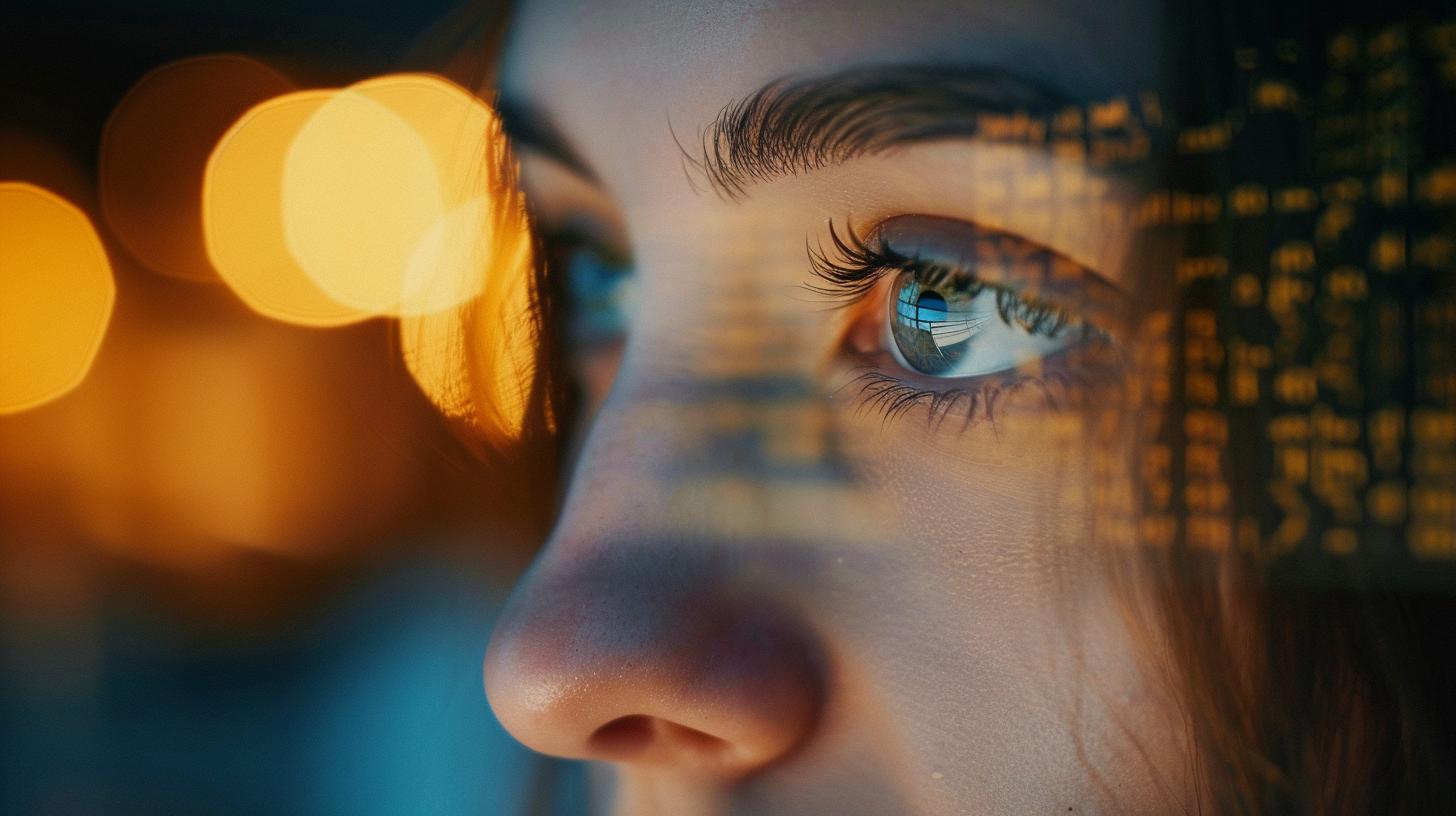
x=1054 y=262
x=581 y=223
x=608 y=251
x=560 y=199
x=842 y=263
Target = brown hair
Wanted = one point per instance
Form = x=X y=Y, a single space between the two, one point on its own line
x=1311 y=681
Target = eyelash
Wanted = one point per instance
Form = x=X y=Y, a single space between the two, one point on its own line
x=851 y=268
x=848 y=272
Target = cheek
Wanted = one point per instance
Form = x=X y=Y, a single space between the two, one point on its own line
x=991 y=642
x=1005 y=489
x=993 y=549
x=1003 y=638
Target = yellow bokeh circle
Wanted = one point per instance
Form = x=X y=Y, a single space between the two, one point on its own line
x=242 y=215
x=56 y=296
x=382 y=202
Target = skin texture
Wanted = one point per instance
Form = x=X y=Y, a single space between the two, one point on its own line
x=774 y=599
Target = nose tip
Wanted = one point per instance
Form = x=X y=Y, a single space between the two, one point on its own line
x=637 y=670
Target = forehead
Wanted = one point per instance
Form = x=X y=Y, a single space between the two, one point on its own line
x=615 y=75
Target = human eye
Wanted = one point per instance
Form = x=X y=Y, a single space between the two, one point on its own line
x=597 y=286
x=951 y=326
x=593 y=290
x=957 y=317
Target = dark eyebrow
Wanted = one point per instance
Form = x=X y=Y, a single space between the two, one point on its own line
x=528 y=126
x=795 y=125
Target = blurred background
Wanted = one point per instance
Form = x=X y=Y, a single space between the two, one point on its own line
x=245 y=564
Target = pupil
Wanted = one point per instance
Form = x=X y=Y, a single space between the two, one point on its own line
x=925 y=330
x=930 y=307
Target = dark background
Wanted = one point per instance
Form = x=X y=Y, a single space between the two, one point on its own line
x=341 y=684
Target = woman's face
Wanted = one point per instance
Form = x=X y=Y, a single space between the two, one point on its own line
x=826 y=546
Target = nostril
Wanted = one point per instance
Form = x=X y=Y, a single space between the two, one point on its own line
x=623 y=737
x=639 y=736
x=705 y=745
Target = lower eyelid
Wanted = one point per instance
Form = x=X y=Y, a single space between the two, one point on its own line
x=961 y=408
x=971 y=401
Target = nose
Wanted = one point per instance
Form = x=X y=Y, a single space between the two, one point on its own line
x=644 y=654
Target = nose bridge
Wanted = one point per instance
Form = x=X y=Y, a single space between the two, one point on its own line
x=720 y=389
x=712 y=454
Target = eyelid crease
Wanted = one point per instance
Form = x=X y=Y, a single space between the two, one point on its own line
x=853 y=266
x=576 y=234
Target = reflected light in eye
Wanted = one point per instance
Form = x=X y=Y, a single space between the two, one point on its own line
x=155 y=147
x=243 y=217
x=381 y=201
x=56 y=296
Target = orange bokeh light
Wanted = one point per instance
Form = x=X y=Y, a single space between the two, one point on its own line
x=242 y=215
x=383 y=204
x=56 y=296
x=156 y=145
x=393 y=197
x=326 y=207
